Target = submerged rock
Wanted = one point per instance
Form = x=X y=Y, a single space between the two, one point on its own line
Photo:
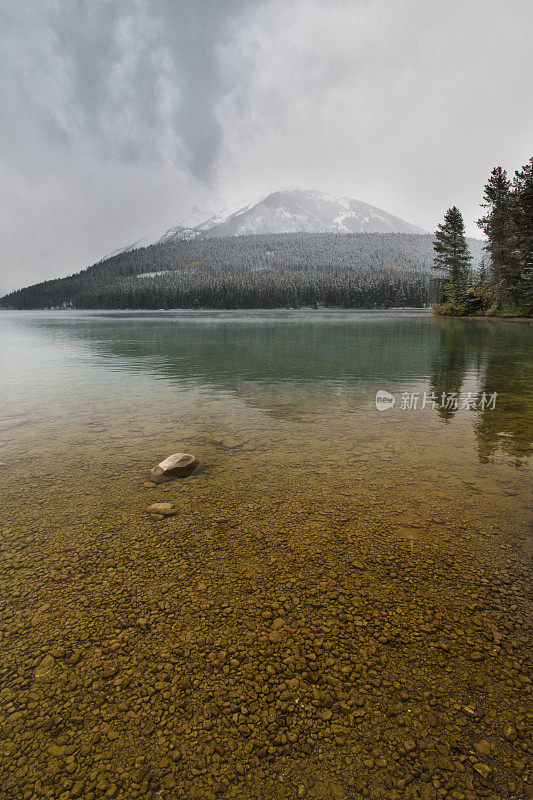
x=163 y=509
x=178 y=465
x=45 y=667
x=483 y=770
x=109 y=670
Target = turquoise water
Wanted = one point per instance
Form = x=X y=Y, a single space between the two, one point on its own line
x=61 y=371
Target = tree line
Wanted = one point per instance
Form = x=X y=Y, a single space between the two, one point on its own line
x=361 y=270
x=503 y=284
x=377 y=288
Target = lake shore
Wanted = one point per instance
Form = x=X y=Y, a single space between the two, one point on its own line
x=483 y=318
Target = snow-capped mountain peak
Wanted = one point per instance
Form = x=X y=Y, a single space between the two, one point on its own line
x=284 y=211
x=294 y=211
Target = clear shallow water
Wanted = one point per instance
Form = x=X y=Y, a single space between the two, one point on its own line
x=302 y=476
x=61 y=369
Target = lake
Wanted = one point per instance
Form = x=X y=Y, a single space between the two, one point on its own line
x=339 y=609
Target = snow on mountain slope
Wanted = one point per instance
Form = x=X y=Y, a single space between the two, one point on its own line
x=293 y=211
x=287 y=211
x=197 y=222
x=144 y=242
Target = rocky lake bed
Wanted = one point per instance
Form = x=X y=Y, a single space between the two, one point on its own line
x=320 y=610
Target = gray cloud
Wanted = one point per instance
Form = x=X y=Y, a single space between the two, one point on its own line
x=118 y=115
x=139 y=81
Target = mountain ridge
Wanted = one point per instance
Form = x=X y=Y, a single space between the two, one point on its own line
x=291 y=270
x=293 y=211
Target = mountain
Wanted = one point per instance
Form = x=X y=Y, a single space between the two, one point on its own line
x=293 y=211
x=272 y=270
x=290 y=249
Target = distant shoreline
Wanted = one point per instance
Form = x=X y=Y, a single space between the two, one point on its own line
x=210 y=309
x=487 y=319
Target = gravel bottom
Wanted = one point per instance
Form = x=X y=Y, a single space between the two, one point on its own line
x=305 y=640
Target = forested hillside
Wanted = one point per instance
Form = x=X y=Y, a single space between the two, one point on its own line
x=362 y=270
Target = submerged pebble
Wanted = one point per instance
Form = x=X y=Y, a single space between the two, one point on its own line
x=163 y=509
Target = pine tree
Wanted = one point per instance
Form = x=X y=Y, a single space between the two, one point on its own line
x=452 y=256
x=482 y=273
x=497 y=224
x=522 y=213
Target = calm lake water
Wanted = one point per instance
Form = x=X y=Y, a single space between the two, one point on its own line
x=74 y=375
x=416 y=516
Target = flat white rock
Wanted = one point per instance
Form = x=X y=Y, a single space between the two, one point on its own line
x=178 y=465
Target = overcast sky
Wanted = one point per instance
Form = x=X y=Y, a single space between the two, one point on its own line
x=119 y=115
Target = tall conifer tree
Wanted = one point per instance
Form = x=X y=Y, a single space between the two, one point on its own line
x=522 y=210
x=452 y=256
x=497 y=224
